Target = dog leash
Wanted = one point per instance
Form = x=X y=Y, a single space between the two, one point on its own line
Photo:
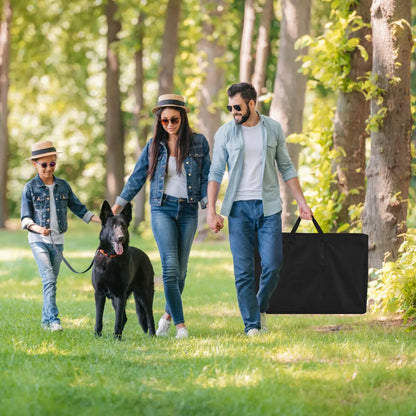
x=66 y=261
x=61 y=256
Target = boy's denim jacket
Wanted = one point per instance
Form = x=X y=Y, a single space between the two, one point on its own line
x=196 y=165
x=35 y=206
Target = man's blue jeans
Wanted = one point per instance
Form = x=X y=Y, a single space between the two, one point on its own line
x=174 y=225
x=48 y=262
x=246 y=221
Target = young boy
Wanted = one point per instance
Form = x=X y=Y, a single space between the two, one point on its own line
x=45 y=200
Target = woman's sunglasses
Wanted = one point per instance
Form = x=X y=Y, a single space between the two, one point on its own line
x=45 y=165
x=236 y=107
x=174 y=121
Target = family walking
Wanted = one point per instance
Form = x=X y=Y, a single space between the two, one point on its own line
x=176 y=161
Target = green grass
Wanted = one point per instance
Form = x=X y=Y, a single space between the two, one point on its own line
x=305 y=365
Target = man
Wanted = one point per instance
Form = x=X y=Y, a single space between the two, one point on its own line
x=250 y=146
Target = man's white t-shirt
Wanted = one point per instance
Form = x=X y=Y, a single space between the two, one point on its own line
x=251 y=181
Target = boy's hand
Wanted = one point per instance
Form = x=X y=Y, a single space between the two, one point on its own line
x=38 y=229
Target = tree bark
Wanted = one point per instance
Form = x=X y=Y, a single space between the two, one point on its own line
x=389 y=167
x=350 y=124
x=139 y=116
x=4 y=89
x=169 y=47
x=210 y=52
x=246 y=58
x=262 y=50
x=114 y=131
x=289 y=88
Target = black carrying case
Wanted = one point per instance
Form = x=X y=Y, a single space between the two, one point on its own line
x=323 y=273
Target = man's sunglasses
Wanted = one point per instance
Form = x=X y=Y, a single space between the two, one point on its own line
x=45 y=165
x=236 y=107
x=174 y=121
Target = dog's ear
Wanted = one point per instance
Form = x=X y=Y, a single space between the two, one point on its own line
x=127 y=212
x=105 y=212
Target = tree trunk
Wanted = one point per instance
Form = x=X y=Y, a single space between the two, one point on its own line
x=138 y=116
x=169 y=47
x=350 y=124
x=246 y=40
x=4 y=89
x=212 y=50
x=114 y=123
x=262 y=50
x=389 y=167
x=289 y=87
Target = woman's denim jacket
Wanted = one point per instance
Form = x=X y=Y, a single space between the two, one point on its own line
x=35 y=207
x=196 y=165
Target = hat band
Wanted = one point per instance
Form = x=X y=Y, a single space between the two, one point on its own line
x=42 y=151
x=171 y=102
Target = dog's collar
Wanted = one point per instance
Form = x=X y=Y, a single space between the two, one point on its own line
x=107 y=255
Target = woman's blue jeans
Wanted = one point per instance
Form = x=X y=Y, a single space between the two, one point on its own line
x=174 y=225
x=48 y=262
x=246 y=223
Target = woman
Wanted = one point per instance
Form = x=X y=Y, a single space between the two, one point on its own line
x=177 y=162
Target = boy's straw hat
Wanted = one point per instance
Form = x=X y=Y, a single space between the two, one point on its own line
x=41 y=149
x=171 y=100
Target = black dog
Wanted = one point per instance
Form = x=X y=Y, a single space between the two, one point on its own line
x=120 y=270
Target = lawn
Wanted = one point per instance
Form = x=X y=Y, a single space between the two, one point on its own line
x=304 y=365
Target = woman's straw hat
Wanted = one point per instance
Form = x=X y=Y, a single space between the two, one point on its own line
x=171 y=100
x=41 y=149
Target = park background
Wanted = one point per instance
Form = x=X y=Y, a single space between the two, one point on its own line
x=337 y=74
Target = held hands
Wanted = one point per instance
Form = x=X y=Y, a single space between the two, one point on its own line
x=215 y=221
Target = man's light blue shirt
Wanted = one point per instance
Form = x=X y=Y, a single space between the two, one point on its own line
x=229 y=153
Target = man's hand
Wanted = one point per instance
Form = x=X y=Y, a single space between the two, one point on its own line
x=305 y=212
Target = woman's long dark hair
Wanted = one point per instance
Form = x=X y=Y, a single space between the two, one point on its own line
x=161 y=135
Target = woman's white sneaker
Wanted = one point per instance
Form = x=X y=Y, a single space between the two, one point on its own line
x=181 y=333
x=163 y=327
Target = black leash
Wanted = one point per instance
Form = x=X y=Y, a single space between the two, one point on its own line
x=64 y=259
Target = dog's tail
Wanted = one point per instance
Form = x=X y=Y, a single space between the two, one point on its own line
x=141 y=315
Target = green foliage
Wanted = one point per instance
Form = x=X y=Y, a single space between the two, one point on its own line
x=315 y=163
x=329 y=58
x=394 y=287
x=56 y=93
x=57 y=80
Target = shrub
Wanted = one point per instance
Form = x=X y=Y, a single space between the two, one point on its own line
x=394 y=287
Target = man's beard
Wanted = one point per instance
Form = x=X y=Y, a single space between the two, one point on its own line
x=244 y=117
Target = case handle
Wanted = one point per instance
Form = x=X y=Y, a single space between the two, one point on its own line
x=315 y=223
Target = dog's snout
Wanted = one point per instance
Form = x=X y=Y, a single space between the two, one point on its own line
x=120 y=239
